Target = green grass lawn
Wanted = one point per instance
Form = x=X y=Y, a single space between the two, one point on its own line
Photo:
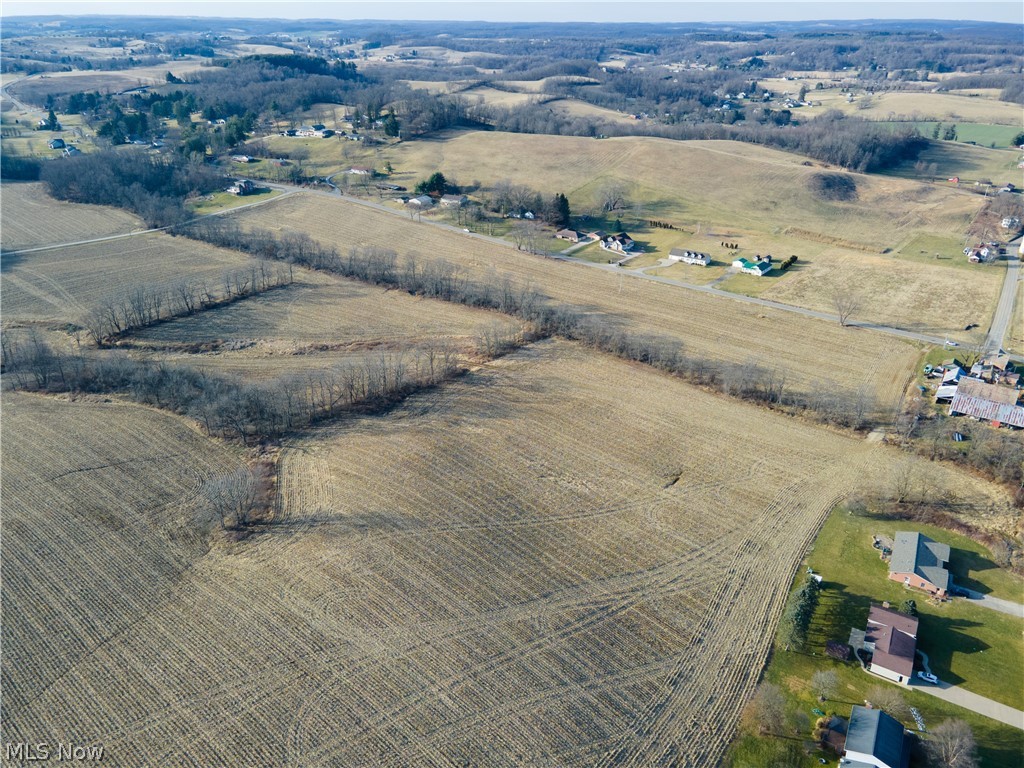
x=752 y=285
x=923 y=248
x=967 y=644
x=982 y=134
x=221 y=201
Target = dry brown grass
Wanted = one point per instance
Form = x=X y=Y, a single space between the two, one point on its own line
x=62 y=284
x=325 y=310
x=30 y=218
x=560 y=559
x=731 y=186
x=810 y=351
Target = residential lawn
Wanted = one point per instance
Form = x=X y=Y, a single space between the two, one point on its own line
x=596 y=254
x=924 y=247
x=752 y=285
x=691 y=273
x=952 y=634
x=968 y=645
x=221 y=201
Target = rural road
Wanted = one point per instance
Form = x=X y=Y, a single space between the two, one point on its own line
x=1004 y=309
x=639 y=274
x=138 y=232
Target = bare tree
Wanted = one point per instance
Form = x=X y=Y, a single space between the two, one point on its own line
x=846 y=303
x=952 y=745
x=904 y=480
x=889 y=700
x=766 y=712
x=823 y=683
x=233 y=497
x=612 y=196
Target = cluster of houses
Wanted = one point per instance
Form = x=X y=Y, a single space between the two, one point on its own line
x=991 y=392
x=875 y=739
x=315 y=131
x=619 y=242
x=984 y=252
x=424 y=202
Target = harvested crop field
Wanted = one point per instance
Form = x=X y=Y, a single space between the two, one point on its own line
x=322 y=309
x=30 y=218
x=62 y=284
x=480 y=577
x=811 y=352
x=99 y=525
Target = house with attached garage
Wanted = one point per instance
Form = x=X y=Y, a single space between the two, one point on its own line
x=621 y=242
x=891 y=639
x=920 y=563
x=689 y=257
x=758 y=268
x=875 y=740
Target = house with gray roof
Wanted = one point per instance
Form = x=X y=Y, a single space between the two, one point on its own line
x=875 y=740
x=920 y=563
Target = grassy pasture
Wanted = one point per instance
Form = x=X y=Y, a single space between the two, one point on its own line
x=709 y=325
x=906 y=105
x=496 y=98
x=62 y=284
x=30 y=218
x=36 y=89
x=222 y=201
x=728 y=185
x=945 y=159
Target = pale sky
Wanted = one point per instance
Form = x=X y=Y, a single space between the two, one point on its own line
x=530 y=10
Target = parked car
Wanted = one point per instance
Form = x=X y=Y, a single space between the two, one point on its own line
x=928 y=677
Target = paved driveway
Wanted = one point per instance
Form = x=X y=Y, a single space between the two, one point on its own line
x=995 y=603
x=974 y=702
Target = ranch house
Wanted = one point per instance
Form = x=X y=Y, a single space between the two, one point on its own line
x=454 y=201
x=360 y=170
x=919 y=562
x=757 y=268
x=56 y=143
x=423 y=201
x=569 y=234
x=689 y=257
x=875 y=740
x=891 y=639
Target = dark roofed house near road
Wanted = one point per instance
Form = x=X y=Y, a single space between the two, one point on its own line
x=919 y=562
x=891 y=638
x=875 y=740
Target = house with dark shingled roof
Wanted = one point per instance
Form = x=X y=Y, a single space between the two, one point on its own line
x=920 y=563
x=875 y=740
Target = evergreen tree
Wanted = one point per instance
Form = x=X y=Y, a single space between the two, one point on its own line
x=391 y=126
x=560 y=213
x=51 y=121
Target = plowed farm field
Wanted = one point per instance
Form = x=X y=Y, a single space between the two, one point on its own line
x=62 y=284
x=811 y=352
x=99 y=518
x=325 y=310
x=559 y=559
x=30 y=218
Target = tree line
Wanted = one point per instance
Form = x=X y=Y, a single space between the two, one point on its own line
x=228 y=406
x=139 y=306
x=440 y=279
x=153 y=187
